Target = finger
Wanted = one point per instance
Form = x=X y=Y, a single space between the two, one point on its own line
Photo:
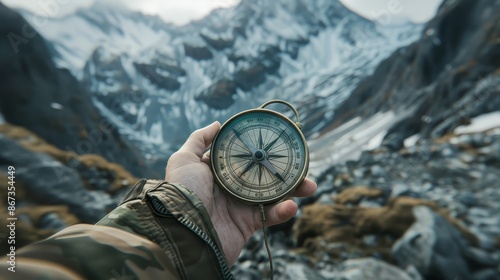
x=200 y=139
x=280 y=213
x=307 y=188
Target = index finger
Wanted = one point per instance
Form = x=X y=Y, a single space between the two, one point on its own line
x=200 y=139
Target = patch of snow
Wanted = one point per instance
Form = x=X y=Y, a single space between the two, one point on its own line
x=411 y=141
x=349 y=140
x=480 y=123
x=375 y=141
x=56 y=106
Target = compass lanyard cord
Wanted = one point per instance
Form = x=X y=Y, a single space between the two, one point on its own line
x=266 y=242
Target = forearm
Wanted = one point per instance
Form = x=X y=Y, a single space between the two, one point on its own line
x=159 y=231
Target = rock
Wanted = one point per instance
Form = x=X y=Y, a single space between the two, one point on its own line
x=218 y=43
x=269 y=56
x=480 y=258
x=52 y=220
x=366 y=159
x=413 y=272
x=300 y=271
x=198 y=52
x=433 y=246
x=161 y=81
x=250 y=77
x=370 y=240
x=394 y=141
x=360 y=172
x=325 y=199
x=404 y=189
x=378 y=171
x=369 y=268
x=219 y=95
x=246 y=271
x=50 y=182
x=486 y=274
x=95 y=171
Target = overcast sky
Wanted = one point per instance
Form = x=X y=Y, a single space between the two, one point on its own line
x=182 y=12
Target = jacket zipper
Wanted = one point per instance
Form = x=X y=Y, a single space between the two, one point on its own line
x=226 y=273
x=160 y=209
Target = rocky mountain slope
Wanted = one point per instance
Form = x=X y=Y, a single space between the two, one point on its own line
x=448 y=76
x=50 y=102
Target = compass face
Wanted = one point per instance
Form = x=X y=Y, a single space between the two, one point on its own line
x=259 y=156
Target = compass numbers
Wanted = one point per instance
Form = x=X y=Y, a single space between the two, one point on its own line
x=259 y=155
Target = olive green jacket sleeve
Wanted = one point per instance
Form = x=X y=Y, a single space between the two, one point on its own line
x=159 y=231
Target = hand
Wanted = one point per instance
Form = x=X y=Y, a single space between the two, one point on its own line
x=234 y=221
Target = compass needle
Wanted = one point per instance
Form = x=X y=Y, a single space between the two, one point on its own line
x=270 y=145
x=276 y=156
x=245 y=141
x=245 y=156
x=273 y=170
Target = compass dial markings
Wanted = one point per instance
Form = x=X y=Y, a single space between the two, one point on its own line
x=248 y=166
x=277 y=152
x=267 y=136
x=279 y=145
x=282 y=162
x=239 y=154
x=243 y=147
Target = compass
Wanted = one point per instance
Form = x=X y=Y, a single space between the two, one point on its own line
x=260 y=156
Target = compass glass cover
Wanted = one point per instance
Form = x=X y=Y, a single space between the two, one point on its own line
x=259 y=156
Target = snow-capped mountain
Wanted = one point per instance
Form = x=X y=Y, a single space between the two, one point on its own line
x=158 y=82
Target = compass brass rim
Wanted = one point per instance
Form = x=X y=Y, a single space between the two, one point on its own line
x=290 y=189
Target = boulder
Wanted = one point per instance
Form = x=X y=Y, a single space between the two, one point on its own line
x=47 y=181
x=250 y=77
x=218 y=43
x=159 y=80
x=369 y=268
x=219 y=95
x=198 y=52
x=433 y=246
x=300 y=271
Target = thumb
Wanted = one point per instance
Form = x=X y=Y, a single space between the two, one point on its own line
x=200 y=139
